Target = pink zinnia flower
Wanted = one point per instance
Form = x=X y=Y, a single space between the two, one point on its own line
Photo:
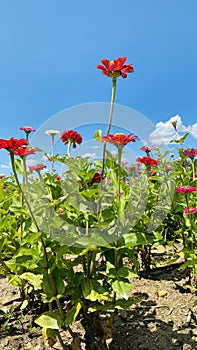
x=185 y=189
x=191 y=210
x=147 y=149
x=27 y=129
x=169 y=167
x=190 y=152
x=37 y=167
x=61 y=211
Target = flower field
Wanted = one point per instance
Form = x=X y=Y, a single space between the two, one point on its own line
x=72 y=242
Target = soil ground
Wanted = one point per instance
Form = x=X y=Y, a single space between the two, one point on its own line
x=165 y=319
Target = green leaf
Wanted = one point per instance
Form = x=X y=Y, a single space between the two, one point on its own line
x=122 y=288
x=50 y=319
x=188 y=263
x=98 y=135
x=48 y=333
x=92 y=290
x=34 y=280
x=72 y=314
x=24 y=304
x=182 y=139
x=137 y=238
x=125 y=272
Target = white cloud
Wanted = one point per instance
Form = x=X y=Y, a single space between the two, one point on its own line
x=30 y=162
x=193 y=130
x=89 y=155
x=95 y=147
x=165 y=132
x=4 y=166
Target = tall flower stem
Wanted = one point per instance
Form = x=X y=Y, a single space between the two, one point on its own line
x=52 y=151
x=68 y=149
x=22 y=192
x=113 y=95
x=52 y=282
x=116 y=257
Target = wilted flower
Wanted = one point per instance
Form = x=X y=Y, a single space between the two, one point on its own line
x=185 y=189
x=71 y=136
x=174 y=123
x=191 y=210
x=115 y=68
x=97 y=177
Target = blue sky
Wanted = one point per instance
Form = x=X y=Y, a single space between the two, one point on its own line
x=50 y=48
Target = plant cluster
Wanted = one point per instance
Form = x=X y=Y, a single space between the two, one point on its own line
x=73 y=242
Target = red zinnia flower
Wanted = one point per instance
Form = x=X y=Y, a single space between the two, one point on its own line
x=37 y=167
x=115 y=68
x=185 y=189
x=119 y=139
x=191 y=210
x=190 y=152
x=12 y=144
x=147 y=161
x=72 y=137
x=58 y=178
x=21 y=152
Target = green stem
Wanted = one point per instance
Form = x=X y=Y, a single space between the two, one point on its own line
x=21 y=190
x=188 y=208
x=68 y=150
x=64 y=347
x=113 y=95
x=119 y=167
x=193 y=169
x=112 y=104
x=38 y=229
x=52 y=153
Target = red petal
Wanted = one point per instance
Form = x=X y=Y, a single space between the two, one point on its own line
x=106 y=63
x=120 y=62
